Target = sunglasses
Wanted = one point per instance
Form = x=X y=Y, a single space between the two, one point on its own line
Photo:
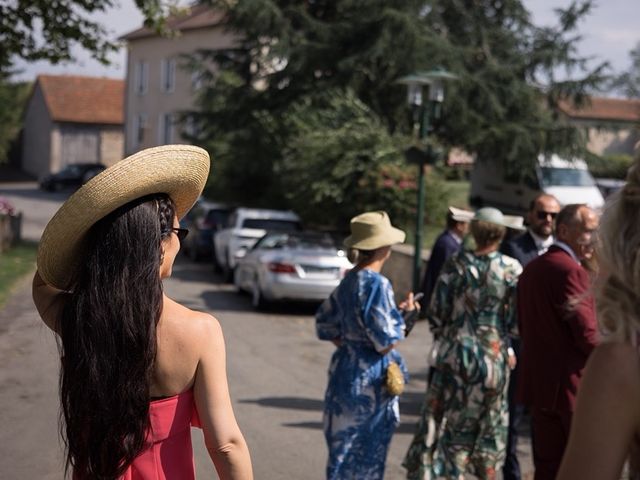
x=542 y=215
x=180 y=232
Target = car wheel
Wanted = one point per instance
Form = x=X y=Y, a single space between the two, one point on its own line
x=227 y=271
x=214 y=259
x=257 y=298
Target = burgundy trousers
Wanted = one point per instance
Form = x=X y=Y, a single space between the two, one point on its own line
x=549 y=436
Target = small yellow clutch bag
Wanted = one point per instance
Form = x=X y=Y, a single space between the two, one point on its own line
x=394 y=380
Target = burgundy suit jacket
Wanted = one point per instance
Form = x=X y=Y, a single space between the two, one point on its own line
x=558 y=330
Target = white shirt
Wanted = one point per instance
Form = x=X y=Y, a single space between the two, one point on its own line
x=542 y=244
x=455 y=236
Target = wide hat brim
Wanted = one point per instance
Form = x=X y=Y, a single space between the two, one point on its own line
x=391 y=236
x=180 y=171
x=496 y=217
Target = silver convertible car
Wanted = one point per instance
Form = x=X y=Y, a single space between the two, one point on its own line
x=303 y=266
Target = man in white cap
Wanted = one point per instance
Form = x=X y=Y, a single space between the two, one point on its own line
x=447 y=243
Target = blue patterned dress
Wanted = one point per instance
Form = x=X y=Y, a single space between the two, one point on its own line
x=360 y=416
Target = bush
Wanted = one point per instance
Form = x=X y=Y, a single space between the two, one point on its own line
x=343 y=161
x=609 y=166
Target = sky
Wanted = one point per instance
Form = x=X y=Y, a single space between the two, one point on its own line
x=609 y=33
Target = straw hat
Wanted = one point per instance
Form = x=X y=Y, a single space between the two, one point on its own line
x=180 y=171
x=495 y=216
x=373 y=230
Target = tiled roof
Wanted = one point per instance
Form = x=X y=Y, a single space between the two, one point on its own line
x=198 y=16
x=600 y=108
x=83 y=99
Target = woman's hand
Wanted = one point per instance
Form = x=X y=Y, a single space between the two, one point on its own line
x=511 y=358
x=411 y=302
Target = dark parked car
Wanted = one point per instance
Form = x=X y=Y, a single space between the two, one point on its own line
x=71 y=176
x=203 y=220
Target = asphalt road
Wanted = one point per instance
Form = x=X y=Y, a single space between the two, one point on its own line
x=276 y=368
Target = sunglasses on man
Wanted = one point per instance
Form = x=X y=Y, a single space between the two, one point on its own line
x=542 y=215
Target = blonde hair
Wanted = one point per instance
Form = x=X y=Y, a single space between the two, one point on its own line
x=486 y=233
x=618 y=295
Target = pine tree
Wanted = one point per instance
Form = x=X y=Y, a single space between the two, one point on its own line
x=628 y=83
x=502 y=108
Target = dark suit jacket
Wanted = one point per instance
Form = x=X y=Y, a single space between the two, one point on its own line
x=522 y=248
x=445 y=246
x=557 y=328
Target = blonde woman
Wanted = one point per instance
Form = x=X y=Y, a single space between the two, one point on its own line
x=464 y=418
x=606 y=425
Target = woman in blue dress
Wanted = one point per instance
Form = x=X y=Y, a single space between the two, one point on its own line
x=361 y=318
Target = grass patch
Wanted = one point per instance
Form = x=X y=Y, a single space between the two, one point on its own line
x=15 y=263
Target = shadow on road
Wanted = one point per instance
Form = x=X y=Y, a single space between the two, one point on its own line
x=312 y=425
x=295 y=403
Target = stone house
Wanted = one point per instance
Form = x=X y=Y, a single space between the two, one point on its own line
x=72 y=119
x=612 y=125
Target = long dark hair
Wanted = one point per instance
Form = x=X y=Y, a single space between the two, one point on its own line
x=108 y=339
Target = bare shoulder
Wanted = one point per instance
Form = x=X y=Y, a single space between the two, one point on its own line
x=195 y=326
x=615 y=367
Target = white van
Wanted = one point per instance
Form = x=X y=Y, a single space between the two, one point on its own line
x=567 y=180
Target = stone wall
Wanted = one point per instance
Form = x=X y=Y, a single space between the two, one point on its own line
x=399 y=269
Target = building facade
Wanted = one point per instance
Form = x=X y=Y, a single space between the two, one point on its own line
x=611 y=125
x=159 y=83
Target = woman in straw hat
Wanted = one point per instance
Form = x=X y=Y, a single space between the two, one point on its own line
x=464 y=418
x=138 y=369
x=605 y=429
x=362 y=320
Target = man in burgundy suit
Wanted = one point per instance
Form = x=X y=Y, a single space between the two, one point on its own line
x=558 y=331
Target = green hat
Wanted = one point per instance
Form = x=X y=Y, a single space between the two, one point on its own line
x=495 y=216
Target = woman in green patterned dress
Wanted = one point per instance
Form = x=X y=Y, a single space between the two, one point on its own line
x=464 y=418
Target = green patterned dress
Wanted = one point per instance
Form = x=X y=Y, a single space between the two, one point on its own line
x=464 y=418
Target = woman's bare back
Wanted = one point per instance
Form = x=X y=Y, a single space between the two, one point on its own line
x=179 y=344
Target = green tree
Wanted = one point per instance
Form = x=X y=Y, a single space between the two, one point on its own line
x=628 y=83
x=13 y=97
x=48 y=29
x=504 y=106
x=353 y=161
x=501 y=109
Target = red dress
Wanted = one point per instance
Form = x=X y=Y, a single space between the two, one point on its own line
x=169 y=455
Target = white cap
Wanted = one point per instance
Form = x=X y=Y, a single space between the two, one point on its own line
x=460 y=215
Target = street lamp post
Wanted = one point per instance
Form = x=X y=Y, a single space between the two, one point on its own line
x=422 y=154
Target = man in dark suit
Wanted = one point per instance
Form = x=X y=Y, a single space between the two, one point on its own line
x=524 y=248
x=447 y=243
x=558 y=332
